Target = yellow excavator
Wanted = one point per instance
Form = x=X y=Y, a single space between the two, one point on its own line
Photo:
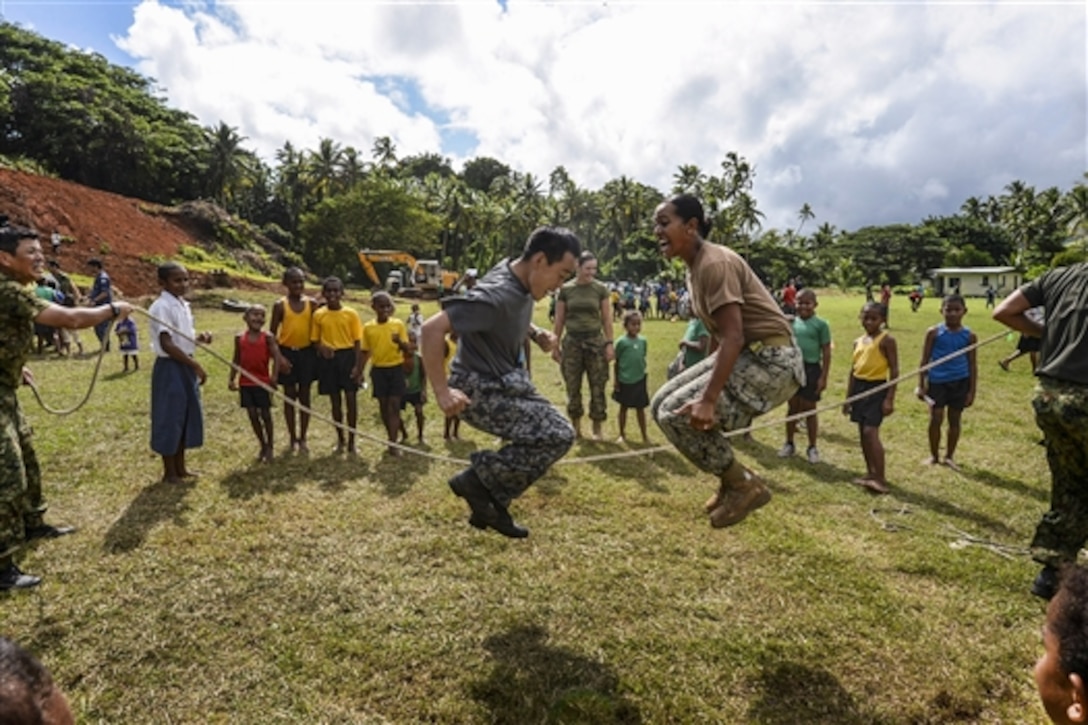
x=412 y=278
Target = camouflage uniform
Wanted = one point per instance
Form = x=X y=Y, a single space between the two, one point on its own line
x=20 y=477
x=1061 y=412
x=536 y=433
x=760 y=381
x=585 y=355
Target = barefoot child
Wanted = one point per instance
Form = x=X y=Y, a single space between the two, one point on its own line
x=292 y=316
x=875 y=361
x=415 y=392
x=177 y=415
x=384 y=345
x=814 y=338
x=254 y=352
x=951 y=384
x=630 y=374
x=337 y=332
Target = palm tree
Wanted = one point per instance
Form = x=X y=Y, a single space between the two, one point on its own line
x=323 y=167
x=688 y=179
x=227 y=162
x=805 y=214
x=384 y=152
x=352 y=168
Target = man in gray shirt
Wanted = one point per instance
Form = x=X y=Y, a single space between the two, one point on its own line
x=489 y=389
x=1061 y=410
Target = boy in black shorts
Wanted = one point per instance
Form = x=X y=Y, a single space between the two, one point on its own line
x=337 y=332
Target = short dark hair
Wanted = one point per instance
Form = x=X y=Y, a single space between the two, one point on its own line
x=875 y=306
x=381 y=295
x=25 y=682
x=687 y=207
x=1070 y=622
x=164 y=271
x=954 y=298
x=12 y=234
x=293 y=272
x=332 y=280
x=553 y=242
x=96 y=262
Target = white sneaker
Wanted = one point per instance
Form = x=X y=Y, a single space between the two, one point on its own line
x=813 y=455
x=786 y=451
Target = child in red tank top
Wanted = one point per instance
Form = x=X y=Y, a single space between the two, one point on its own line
x=255 y=352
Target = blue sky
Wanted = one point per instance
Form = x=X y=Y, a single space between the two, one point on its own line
x=872 y=113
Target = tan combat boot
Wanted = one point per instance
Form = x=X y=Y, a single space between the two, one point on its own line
x=742 y=492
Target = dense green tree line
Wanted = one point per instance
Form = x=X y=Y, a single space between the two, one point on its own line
x=83 y=119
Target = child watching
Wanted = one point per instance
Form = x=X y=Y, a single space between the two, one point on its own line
x=630 y=374
x=1060 y=673
x=415 y=320
x=453 y=422
x=292 y=318
x=337 y=331
x=875 y=361
x=415 y=392
x=384 y=344
x=128 y=343
x=254 y=351
x=177 y=415
x=814 y=338
x=950 y=384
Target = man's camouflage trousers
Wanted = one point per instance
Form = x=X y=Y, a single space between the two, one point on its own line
x=20 y=476
x=534 y=432
x=1061 y=412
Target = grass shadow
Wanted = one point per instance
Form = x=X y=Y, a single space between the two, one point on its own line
x=534 y=682
x=397 y=474
x=951 y=510
x=994 y=480
x=331 y=471
x=158 y=502
x=795 y=693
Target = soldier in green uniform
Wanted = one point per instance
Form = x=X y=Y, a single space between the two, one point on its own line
x=1061 y=410
x=21 y=502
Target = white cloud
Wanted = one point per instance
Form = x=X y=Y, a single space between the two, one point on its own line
x=872 y=114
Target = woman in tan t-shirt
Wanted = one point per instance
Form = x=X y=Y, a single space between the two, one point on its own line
x=753 y=365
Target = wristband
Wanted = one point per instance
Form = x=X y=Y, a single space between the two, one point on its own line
x=609 y=342
x=114 y=310
x=533 y=333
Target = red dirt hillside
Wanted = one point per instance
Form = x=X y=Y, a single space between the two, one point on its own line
x=94 y=224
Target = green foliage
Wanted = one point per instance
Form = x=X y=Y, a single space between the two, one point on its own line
x=93 y=122
x=377 y=214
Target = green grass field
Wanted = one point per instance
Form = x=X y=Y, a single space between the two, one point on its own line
x=338 y=590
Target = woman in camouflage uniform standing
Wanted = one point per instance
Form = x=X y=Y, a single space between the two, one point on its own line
x=753 y=365
x=584 y=311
